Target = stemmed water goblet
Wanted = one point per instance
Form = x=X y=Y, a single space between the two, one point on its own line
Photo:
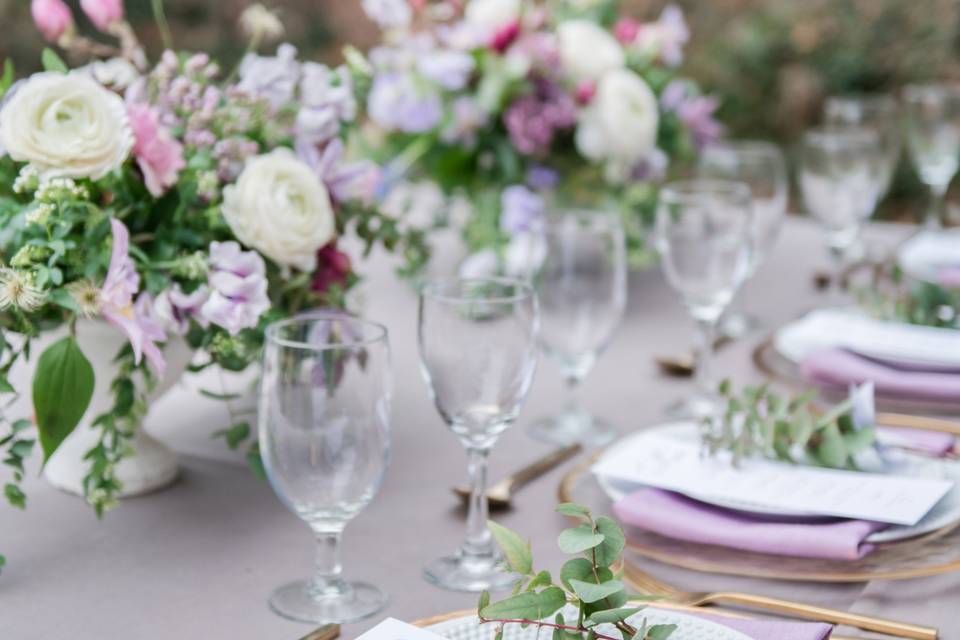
x=932 y=123
x=582 y=290
x=324 y=427
x=841 y=177
x=761 y=166
x=704 y=234
x=478 y=354
x=877 y=112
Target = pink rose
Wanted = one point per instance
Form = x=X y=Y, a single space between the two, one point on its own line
x=159 y=155
x=52 y=17
x=103 y=13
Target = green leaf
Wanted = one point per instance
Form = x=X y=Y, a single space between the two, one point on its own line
x=589 y=592
x=576 y=569
x=255 y=462
x=542 y=579
x=831 y=451
x=235 y=435
x=573 y=510
x=22 y=448
x=529 y=605
x=52 y=62
x=6 y=81
x=660 y=631
x=62 y=388
x=859 y=439
x=15 y=496
x=613 y=543
x=62 y=298
x=5 y=386
x=484 y=601
x=612 y=616
x=213 y=395
x=579 y=539
x=516 y=551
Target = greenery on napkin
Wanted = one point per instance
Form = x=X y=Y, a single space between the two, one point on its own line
x=587 y=581
x=758 y=422
x=890 y=297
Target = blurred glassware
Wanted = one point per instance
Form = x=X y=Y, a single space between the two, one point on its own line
x=478 y=354
x=582 y=290
x=932 y=123
x=324 y=426
x=875 y=111
x=841 y=175
x=704 y=233
x=761 y=166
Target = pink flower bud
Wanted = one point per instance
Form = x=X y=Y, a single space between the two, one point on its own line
x=626 y=30
x=52 y=17
x=103 y=13
x=585 y=92
x=505 y=36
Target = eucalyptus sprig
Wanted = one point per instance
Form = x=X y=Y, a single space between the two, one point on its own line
x=587 y=582
x=891 y=297
x=758 y=422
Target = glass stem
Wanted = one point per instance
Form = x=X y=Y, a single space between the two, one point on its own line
x=706 y=337
x=328 y=580
x=478 y=541
x=935 y=213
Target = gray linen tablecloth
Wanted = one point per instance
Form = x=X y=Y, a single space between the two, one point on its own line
x=198 y=560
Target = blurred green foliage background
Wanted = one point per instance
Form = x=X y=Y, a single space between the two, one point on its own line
x=772 y=61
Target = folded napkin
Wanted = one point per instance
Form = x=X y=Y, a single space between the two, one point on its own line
x=773 y=629
x=949 y=277
x=838 y=368
x=676 y=516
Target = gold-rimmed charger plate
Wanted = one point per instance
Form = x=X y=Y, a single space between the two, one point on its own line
x=931 y=554
x=778 y=367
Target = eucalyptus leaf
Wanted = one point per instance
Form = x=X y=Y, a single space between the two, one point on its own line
x=573 y=510
x=831 y=450
x=528 y=605
x=611 y=616
x=515 y=549
x=661 y=631
x=589 y=592
x=579 y=539
x=613 y=541
x=62 y=389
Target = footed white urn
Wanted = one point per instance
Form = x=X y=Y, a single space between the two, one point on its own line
x=154 y=466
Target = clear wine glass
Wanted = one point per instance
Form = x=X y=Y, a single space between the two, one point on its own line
x=877 y=112
x=841 y=177
x=324 y=425
x=704 y=234
x=478 y=354
x=932 y=122
x=761 y=166
x=582 y=290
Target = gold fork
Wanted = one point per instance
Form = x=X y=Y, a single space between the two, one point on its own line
x=648 y=585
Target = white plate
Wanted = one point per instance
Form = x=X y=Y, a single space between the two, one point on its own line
x=924 y=255
x=930 y=348
x=469 y=628
x=946 y=512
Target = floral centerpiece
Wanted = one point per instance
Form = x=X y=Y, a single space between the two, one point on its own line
x=506 y=105
x=175 y=205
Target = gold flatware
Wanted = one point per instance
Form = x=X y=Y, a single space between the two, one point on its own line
x=326 y=632
x=649 y=585
x=918 y=422
x=500 y=494
x=684 y=366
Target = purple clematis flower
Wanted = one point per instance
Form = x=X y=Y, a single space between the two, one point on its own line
x=117 y=307
x=345 y=181
x=173 y=308
x=238 y=285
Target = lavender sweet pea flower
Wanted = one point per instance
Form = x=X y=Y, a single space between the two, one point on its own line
x=542 y=178
x=238 y=286
x=272 y=78
x=345 y=181
x=116 y=302
x=695 y=111
x=389 y=14
x=322 y=86
x=174 y=308
x=864 y=411
x=652 y=167
x=468 y=118
x=448 y=68
x=521 y=210
x=396 y=102
x=666 y=37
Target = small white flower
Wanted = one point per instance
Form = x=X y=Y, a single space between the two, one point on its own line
x=864 y=411
x=116 y=73
x=86 y=293
x=66 y=125
x=281 y=208
x=260 y=24
x=40 y=214
x=491 y=14
x=18 y=291
x=27 y=180
x=588 y=51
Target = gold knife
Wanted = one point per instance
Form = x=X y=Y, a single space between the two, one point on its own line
x=326 y=632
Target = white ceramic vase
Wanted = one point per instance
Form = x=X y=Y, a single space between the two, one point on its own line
x=155 y=465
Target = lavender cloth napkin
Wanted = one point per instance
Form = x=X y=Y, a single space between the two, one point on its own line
x=839 y=368
x=678 y=517
x=950 y=277
x=773 y=629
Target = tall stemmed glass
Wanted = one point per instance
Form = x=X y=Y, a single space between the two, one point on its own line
x=582 y=290
x=932 y=119
x=761 y=166
x=478 y=353
x=704 y=233
x=324 y=423
x=841 y=174
x=877 y=112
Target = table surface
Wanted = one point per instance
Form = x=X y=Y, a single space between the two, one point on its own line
x=199 y=559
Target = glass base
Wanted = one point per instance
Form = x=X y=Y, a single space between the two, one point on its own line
x=739 y=324
x=299 y=601
x=567 y=429
x=695 y=407
x=463 y=573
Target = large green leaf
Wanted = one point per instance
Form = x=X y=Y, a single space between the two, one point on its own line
x=527 y=606
x=589 y=592
x=611 y=616
x=52 y=62
x=579 y=539
x=613 y=542
x=62 y=389
x=515 y=549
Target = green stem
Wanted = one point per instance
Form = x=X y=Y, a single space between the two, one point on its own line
x=160 y=17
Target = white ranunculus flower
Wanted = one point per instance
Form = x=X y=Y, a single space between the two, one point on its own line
x=620 y=124
x=66 y=126
x=588 y=51
x=280 y=207
x=491 y=14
